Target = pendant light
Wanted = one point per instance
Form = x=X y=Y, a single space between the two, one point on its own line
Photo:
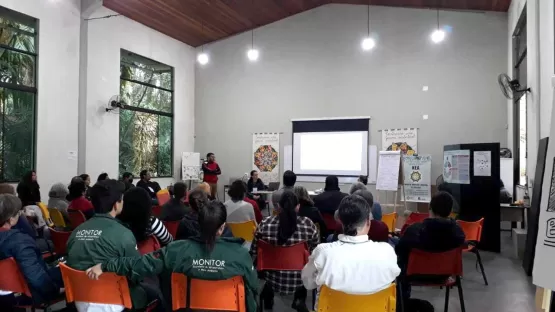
x=438 y=35
x=202 y=57
x=252 y=53
x=368 y=43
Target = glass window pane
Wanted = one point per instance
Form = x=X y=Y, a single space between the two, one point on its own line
x=134 y=67
x=138 y=95
x=522 y=140
x=17 y=68
x=165 y=146
x=12 y=37
x=17 y=129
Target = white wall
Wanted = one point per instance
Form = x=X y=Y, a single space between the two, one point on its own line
x=58 y=85
x=105 y=39
x=311 y=65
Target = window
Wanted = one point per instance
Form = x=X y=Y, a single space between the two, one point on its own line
x=18 y=93
x=520 y=139
x=146 y=121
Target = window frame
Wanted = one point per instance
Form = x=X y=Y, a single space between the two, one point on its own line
x=171 y=115
x=519 y=58
x=34 y=23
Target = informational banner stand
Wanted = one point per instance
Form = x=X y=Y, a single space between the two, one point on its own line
x=190 y=167
x=390 y=179
x=417 y=178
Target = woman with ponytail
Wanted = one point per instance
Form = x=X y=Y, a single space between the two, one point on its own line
x=208 y=256
x=285 y=229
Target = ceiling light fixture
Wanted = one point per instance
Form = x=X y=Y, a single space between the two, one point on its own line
x=368 y=43
x=438 y=35
x=202 y=57
x=252 y=53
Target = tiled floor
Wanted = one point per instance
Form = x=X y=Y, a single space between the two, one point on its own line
x=509 y=290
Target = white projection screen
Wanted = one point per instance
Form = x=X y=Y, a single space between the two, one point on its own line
x=331 y=147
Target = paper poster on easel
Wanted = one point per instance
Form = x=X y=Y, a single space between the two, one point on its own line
x=417 y=177
x=389 y=164
x=190 y=166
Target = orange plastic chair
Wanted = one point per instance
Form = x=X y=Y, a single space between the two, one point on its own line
x=109 y=289
x=76 y=218
x=390 y=219
x=222 y=295
x=57 y=217
x=473 y=234
x=335 y=301
x=59 y=240
x=149 y=245
x=163 y=196
x=245 y=230
x=171 y=226
x=442 y=264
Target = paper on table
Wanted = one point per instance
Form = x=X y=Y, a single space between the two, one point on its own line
x=482 y=163
x=388 y=171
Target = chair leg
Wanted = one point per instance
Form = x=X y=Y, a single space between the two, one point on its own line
x=481 y=266
x=446 y=299
x=461 y=298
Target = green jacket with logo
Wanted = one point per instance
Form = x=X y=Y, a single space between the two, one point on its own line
x=227 y=259
x=101 y=238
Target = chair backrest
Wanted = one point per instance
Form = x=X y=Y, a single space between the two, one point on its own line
x=57 y=217
x=76 y=218
x=172 y=227
x=435 y=263
x=12 y=278
x=108 y=289
x=331 y=223
x=284 y=258
x=59 y=240
x=45 y=214
x=163 y=196
x=390 y=219
x=245 y=230
x=472 y=230
x=223 y=295
x=149 y=245
x=334 y=301
x=156 y=210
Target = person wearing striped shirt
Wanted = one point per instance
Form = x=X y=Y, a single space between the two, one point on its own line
x=137 y=215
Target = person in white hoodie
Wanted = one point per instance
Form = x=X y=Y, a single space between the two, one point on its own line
x=353 y=264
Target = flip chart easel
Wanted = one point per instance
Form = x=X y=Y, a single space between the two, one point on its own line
x=390 y=178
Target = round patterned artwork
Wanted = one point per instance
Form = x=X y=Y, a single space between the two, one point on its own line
x=403 y=147
x=265 y=158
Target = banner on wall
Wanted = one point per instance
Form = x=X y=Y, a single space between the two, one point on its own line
x=404 y=140
x=265 y=156
x=417 y=172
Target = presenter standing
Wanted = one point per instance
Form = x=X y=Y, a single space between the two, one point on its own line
x=211 y=171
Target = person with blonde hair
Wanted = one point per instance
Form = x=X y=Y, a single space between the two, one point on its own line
x=205 y=187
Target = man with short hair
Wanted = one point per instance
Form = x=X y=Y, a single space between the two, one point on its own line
x=289 y=180
x=175 y=209
x=211 y=171
x=127 y=179
x=353 y=264
x=150 y=186
x=104 y=237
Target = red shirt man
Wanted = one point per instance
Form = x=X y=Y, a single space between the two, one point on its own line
x=211 y=171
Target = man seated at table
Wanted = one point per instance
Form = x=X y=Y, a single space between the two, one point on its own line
x=353 y=264
x=104 y=237
x=438 y=233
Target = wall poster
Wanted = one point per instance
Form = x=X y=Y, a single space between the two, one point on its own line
x=456 y=166
x=265 y=156
x=417 y=175
x=404 y=140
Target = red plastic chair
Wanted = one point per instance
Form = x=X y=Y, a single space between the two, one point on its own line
x=442 y=264
x=149 y=245
x=282 y=258
x=415 y=217
x=473 y=234
x=76 y=218
x=59 y=240
x=331 y=223
x=156 y=210
x=172 y=227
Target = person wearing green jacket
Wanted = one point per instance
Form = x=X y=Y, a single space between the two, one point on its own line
x=207 y=257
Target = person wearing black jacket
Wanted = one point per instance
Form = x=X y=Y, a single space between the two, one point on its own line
x=329 y=200
x=175 y=209
x=151 y=187
x=28 y=190
x=255 y=182
x=307 y=209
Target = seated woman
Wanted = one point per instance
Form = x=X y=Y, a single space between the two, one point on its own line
x=285 y=229
x=238 y=210
x=137 y=214
x=77 y=190
x=44 y=282
x=307 y=209
x=189 y=226
x=179 y=257
x=57 y=199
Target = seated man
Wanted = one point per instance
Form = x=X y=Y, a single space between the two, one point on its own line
x=44 y=282
x=329 y=200
x=438 y=233
x=151 y=187
x=104 y=237
x=175 y=209
x=353 y=264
